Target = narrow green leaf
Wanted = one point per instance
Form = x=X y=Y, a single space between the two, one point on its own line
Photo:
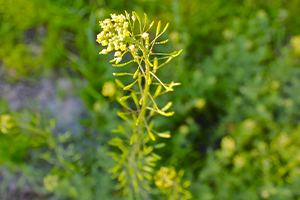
x=148 y=79
x=147 y=168
x=136 y=73
x=119 y=83
x=122 y=103
x=145 y=17
x=166 y=134
x=147 y=176
x=122 y=175
x=135 y=185
x=158 y=28
x=167 y=106
x=157 y=157
x=176 y=53
x=124 y=98
x=117 y=141
x=122 y=115
x=126 y=13
x=141 y=101
x=155 y=65
x=122 y=74
x=115 y=168
x=168 y=114
x=165 y=114
x=134 y=97
x=162 y=42
x=147 y=150
x=137 y=121
x=151 y=135
x=120 y=127
x=140 y=176
x=131 y=139
x=160 y=145
x=123 y=64
x=129 y=86
x=167 y=25
x=158 y=90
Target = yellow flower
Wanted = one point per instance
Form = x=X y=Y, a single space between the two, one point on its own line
x=184 y=129
x=145 y=35
x=295 y=42
x=200 y=103
x=228 y=143
x=108 y=89
x=6 y=123
x=164 y=177
x=115 y=30
x=51 y=182
x=249 y=124
x=239 y=161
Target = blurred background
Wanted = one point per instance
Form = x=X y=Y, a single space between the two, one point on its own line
x=235 y=131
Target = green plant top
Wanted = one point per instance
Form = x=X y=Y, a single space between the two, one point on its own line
x=136 y=160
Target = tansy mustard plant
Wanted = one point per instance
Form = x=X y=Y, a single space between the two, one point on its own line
x=136 y=159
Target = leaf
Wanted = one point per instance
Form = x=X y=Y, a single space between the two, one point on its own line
x=155 y=64
x=134 y=97
x=122 y=115
x=167 y=106
x=147 y=176
x=120 y=127
x=158 y=28
x=122 y=103
x=137 y=121
x=124 y=98
x=162 y=42
x=129 y=86
x=157 y=157
x=158 y=90
x=119 y=83
x=149 y=80
x=117 y=141
x=151 y=135
x=160 y=145
x=136 y=73
x=123 y=64
x=140 y=176
x=141 y=101
x=164 y=134
x=115 y=169
x=147 y=150
x=122 y=74
x=168 y=114
x=122 y=175
x=167 y=25
x=176 y=53
x=147 y=168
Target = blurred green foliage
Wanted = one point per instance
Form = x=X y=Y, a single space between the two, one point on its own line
x=235 y=132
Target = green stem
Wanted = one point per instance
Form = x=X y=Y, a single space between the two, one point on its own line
x=145 y=96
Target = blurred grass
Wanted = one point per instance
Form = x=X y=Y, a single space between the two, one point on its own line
x=239 y=75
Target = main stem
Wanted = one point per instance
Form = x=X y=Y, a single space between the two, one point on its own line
x=145 y=95
x=147 y=86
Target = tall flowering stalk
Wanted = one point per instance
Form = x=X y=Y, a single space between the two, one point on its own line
x=136 y=160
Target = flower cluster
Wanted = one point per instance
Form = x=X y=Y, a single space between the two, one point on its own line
x=228 y=143
x=6 y=123
x=115 y=30
x=51 y=182
x=164 y=177
x=108 y=89
x=295 y=42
